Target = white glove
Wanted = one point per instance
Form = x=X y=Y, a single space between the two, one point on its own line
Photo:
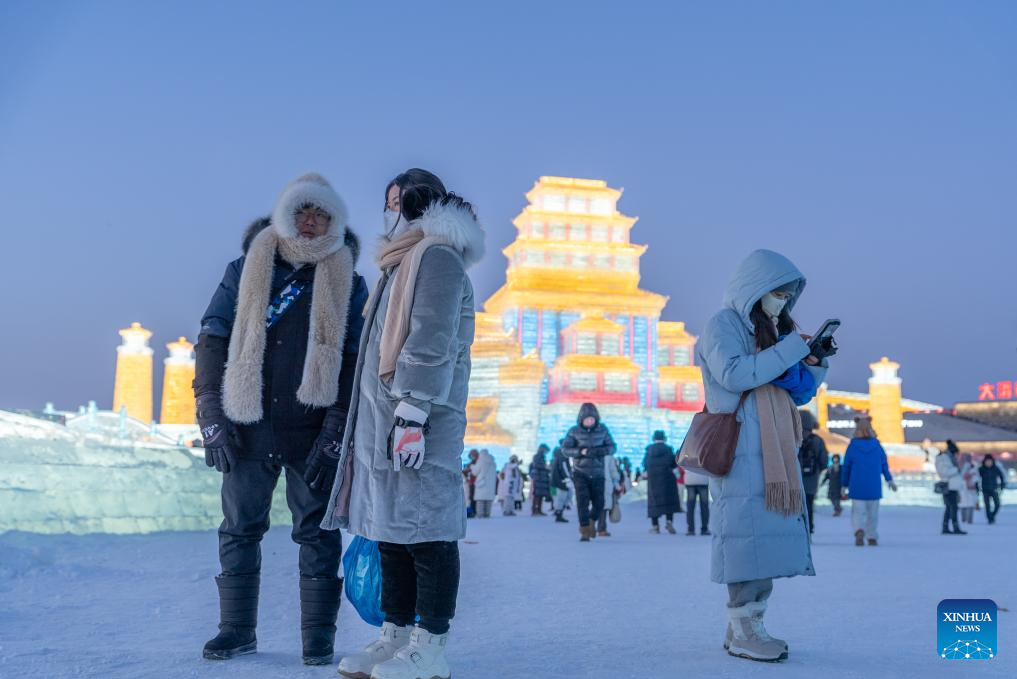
x=407 y=441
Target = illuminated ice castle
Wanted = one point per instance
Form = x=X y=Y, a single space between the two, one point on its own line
x=572 y=325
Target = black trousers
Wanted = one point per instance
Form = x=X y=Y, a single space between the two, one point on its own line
x=589 y=491
x=950 y=499
x=835 y=501
x=655 y=520
x=420 y=580
x=703 y=495
x=810 y=502
x=246 y=503
x=991 y=509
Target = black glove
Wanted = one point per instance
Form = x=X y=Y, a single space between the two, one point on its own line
x=215 y=432
x=823 y=348
x=323 y=460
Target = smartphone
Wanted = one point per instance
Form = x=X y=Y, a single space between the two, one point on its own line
x=827 y=330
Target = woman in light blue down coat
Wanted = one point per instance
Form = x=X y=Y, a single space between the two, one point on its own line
x=752 y=544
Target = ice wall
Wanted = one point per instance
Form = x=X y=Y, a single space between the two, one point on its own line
x=58 y=480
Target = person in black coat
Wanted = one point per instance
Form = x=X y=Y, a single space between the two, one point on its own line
x=662 y=486
x=561 y=483
x=587 y=443
x=540 y=478
x=832 y=476
x=812 y=457
x=269 y=399
x=993 y=481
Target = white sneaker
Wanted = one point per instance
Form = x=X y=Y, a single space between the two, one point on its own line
x=359 y=665
x=749 y=639
x=423 y=658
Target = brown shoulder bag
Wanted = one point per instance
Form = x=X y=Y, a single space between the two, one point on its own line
x=709 y=447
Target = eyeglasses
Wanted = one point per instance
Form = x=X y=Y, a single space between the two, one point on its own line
x=319 y=217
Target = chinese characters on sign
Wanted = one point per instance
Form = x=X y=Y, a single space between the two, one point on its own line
x=1000 y=391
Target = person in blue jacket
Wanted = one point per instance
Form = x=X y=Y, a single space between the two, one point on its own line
x=758 y=520
x=864 y=463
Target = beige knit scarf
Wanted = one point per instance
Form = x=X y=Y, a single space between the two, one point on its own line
x=780 y=432
x=402 y=253
x=330 y=300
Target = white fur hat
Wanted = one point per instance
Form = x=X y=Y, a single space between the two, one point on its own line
x=314 y=189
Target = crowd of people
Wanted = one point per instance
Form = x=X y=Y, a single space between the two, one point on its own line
x=668 y=486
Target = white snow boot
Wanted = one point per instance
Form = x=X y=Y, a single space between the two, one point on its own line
x=423 y=658
x=359 y=665
x=749 y=638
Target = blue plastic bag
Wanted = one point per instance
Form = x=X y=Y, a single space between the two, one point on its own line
x=362 y=570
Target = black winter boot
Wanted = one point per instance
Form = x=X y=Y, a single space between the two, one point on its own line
x=558 y=518
x=319 y=607
x=238 y=617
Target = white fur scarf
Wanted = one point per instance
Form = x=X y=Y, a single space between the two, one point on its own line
x=333 y=283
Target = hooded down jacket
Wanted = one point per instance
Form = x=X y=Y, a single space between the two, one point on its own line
x=596 y=441
x=749 y=541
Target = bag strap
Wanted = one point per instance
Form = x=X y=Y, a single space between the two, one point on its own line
x=282 y=301
x=741 y=402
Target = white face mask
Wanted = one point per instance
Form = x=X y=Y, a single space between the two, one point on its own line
x=394 y=221
x=773 y=305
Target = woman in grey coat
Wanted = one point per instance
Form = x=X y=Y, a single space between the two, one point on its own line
x=400 y=479
x=760 y=530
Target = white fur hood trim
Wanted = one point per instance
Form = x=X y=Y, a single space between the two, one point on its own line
x=314 y=189
x=457 y=226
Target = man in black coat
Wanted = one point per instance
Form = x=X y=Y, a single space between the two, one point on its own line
x=540 y=480
x=813 y=458
x=993 y=481
x=275 y=362
x=661 y=484
x=587 y=443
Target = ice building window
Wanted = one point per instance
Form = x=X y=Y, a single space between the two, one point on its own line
x=537 y=229
x=663 y=354
x=666 y=391
x=682 y=355
x=577 y=232
x=617 y=382
x=690 y=392
x=580 y=261
x=601 y=206
x=586 y=343
x=557 y=231
x=577 y=204
x=618 y=234
x=602 y=261
x=554 y=202
x=623 y=263
x=608 y=345
x=583 y=381
x=557 y=259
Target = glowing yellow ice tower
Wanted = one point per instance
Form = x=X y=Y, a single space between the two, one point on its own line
x=133 y=385
x=571 y=324
x=885 y=406
x=573 y=254
x=177 y=393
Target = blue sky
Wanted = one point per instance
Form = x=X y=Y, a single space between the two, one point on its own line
x=874 y=143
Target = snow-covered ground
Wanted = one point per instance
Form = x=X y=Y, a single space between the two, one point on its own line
x=534 y=602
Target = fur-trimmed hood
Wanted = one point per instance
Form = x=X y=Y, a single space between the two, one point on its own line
x=455 y=224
